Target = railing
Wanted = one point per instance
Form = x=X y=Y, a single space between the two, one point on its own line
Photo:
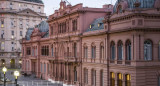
x=125 y=62
x=71 y=57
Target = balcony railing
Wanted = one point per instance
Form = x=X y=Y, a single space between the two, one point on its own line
x=70 y=57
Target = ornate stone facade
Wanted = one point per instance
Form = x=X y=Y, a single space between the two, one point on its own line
x=15 y=17
x=112 y=46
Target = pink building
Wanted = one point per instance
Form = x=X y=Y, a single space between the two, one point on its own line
x=109 y=46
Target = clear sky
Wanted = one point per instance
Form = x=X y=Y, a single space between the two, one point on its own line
x=51 y=5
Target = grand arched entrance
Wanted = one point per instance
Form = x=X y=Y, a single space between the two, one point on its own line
x=12 y=63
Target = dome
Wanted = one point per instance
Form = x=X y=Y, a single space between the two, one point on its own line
x=130 y=4
x=36 y=1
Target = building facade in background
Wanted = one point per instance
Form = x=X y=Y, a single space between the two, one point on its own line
x=109 y=46
x=15 y=17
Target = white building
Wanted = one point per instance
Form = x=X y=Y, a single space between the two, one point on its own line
x=15 y=17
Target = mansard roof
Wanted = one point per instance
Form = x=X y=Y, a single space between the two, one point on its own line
x=130 y=4
x=36 y=1
x=28 y=33
x=96 y=25
x=43 y=28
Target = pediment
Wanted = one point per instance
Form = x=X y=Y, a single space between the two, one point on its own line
x=36 y=32
x=28 y=12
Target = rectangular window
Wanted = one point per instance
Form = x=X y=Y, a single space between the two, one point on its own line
x=93 y=77
x=2 y=45
x=12 y=48
x=52 y=30
x=48 y=68
x=45 y=50
x=2 y=34
x=86 y=76
x=12 y=32
x=2 y=23
x=28 y=51
x=21 y=24
x=44 y=68
x=74 y=25
x=128 y=52
x=113 y=52
x=102 y=52
x=120 y=52
x=93 y=52
x=41 y=68
x=12 y=23
x=21 y=34
x=101 y=78
x=85 y=52
x=32 y=51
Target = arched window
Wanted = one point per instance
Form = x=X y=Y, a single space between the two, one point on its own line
x=85 y=76
x=75 y=50
x=112 y=79
x=93 y=77
x=75 y=74
x=112 y=50
x=147 y=50
x=101 y=51
x=159 y=50
x=119 y=79
x=85 y=53
x=93 y=51
x=128 y=50
x=120 y=50
x=101 y=78
x=128 y=80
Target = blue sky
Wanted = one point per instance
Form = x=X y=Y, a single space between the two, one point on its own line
x=51 y=5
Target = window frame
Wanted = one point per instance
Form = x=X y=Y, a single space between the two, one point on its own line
x=120 y=50
x=148 y=45
x=113 y=52
x=128 y=49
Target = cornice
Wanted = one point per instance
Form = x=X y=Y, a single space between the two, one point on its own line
x=135 y=15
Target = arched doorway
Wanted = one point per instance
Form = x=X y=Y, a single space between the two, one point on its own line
x=12 y=63
x=3 y=62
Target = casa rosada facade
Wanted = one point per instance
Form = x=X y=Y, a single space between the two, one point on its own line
x=111 y=46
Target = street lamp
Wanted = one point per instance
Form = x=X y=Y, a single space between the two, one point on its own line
x=16 y=74
x=4 y=71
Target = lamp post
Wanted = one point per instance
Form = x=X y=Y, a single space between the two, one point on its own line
x=16 y=74
x=4 y=71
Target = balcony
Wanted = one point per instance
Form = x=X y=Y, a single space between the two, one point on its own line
x=128 y=62
x=33 y=57
x=69 y=57
x=51 y=58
